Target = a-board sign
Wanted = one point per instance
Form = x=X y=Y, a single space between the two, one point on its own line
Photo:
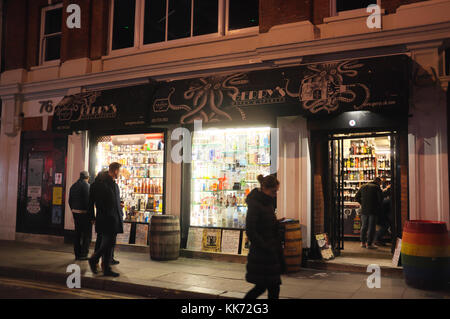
x=324 y=246
x=124 y=238
x=245 y=244
x=141 y=234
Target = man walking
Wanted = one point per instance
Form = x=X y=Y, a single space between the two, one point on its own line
x=384 y=220
x=105 y=195
x=370 y=197
x=78 y=202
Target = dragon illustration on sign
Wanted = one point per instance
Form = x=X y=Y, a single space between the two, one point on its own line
x=207 y=95
x=325 y=88
x=74 y=104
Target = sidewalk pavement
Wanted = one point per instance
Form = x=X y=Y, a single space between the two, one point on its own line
x=189 y=278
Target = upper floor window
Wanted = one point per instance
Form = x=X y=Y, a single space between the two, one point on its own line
x=139 y=22
x=345 y=5
x=50 y=38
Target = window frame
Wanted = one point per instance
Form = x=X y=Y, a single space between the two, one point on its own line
x=43 y=36
x=222 y=30
x=334 y=12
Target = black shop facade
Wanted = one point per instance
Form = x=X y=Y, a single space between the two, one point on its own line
x=230 y=121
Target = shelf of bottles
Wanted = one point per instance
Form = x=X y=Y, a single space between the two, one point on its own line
x=225 y=166
x=141 y=181
x=362 y=163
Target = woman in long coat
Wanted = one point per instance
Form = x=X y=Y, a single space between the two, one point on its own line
x=265 y=259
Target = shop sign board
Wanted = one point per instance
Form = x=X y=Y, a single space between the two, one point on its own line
x=141 y=234
x=195 y=239
x=312 y=90
x=124 y=238
x=324 y=246
x=245 y=247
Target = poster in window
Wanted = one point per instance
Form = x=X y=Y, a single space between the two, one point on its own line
x=56 y=215
x=230 y=241
x=33 y=206
x=245 y=244
x=124 y=238
x=195 y=239
x=211 y=240
x=141 y=234
x=57 y=195
x=58 y=178
x=324 y=246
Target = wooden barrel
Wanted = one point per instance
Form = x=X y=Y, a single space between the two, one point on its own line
x=425 y=254
x=292 y=243
x=164 y=237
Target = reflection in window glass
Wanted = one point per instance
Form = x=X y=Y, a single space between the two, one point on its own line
x=123 y=24
x=206 y=13
x=343 y=5
x=53 y=19
x=243 y=14
x=179 y=17
x=154 y=21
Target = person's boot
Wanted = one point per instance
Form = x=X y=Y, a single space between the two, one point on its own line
x=110 y=273
x=93 y=266
x=363 y=245
x=115 y=262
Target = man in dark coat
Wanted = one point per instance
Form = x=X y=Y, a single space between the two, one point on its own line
x=78 y=203
x=265 y=258
x=384 y=220
x=105 y=195
x=370 y=198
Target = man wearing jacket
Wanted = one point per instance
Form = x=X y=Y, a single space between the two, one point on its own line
x=78 y=202
x=105 y=195
x=370 y=198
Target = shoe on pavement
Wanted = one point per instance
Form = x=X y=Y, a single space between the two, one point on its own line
x=363 y=245
x=115 y=262
x=371 y=246
x=93 y=266
x=110 y=273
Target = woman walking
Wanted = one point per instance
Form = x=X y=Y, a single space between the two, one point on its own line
x=265 y=259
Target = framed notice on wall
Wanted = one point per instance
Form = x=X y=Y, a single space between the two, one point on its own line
x=141 y=234
x=245 y=244
x=211 y=240
x=230 y=241
x=195 y=239
x=125 y=237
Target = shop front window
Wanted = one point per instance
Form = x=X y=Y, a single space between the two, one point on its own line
x=141 y=181
x=225 y=166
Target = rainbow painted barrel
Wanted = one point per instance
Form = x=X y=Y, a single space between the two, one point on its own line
x=425 y=254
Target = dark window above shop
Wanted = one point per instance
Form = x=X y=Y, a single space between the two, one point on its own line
x=124 y=24
x=51 y=22
x=141 y=22
x=243 y=14
x=345 y=5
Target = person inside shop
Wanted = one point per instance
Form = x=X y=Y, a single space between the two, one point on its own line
x=78 y=203
x=265 y=261
x=384 y=219
x=105 y=195
x=369 y=196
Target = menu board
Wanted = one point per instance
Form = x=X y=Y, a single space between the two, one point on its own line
x=211 y=240
x=324 y=246
x=195 y=239
x=141 y=234
x=245 y=244
x=125 y=237
x=230 y=241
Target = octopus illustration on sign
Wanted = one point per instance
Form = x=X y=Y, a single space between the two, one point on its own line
x=325 y=88
x=79 y=107
x=207 y=95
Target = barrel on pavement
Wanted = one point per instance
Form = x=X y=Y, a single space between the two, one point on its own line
x=425 y=254
x=292 y=242
x=164 y=237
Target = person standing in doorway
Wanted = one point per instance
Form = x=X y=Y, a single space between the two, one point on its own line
x=265 y=258
x=105 y=195
x=385 y=218
x=369 y=196
x=78 y=203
